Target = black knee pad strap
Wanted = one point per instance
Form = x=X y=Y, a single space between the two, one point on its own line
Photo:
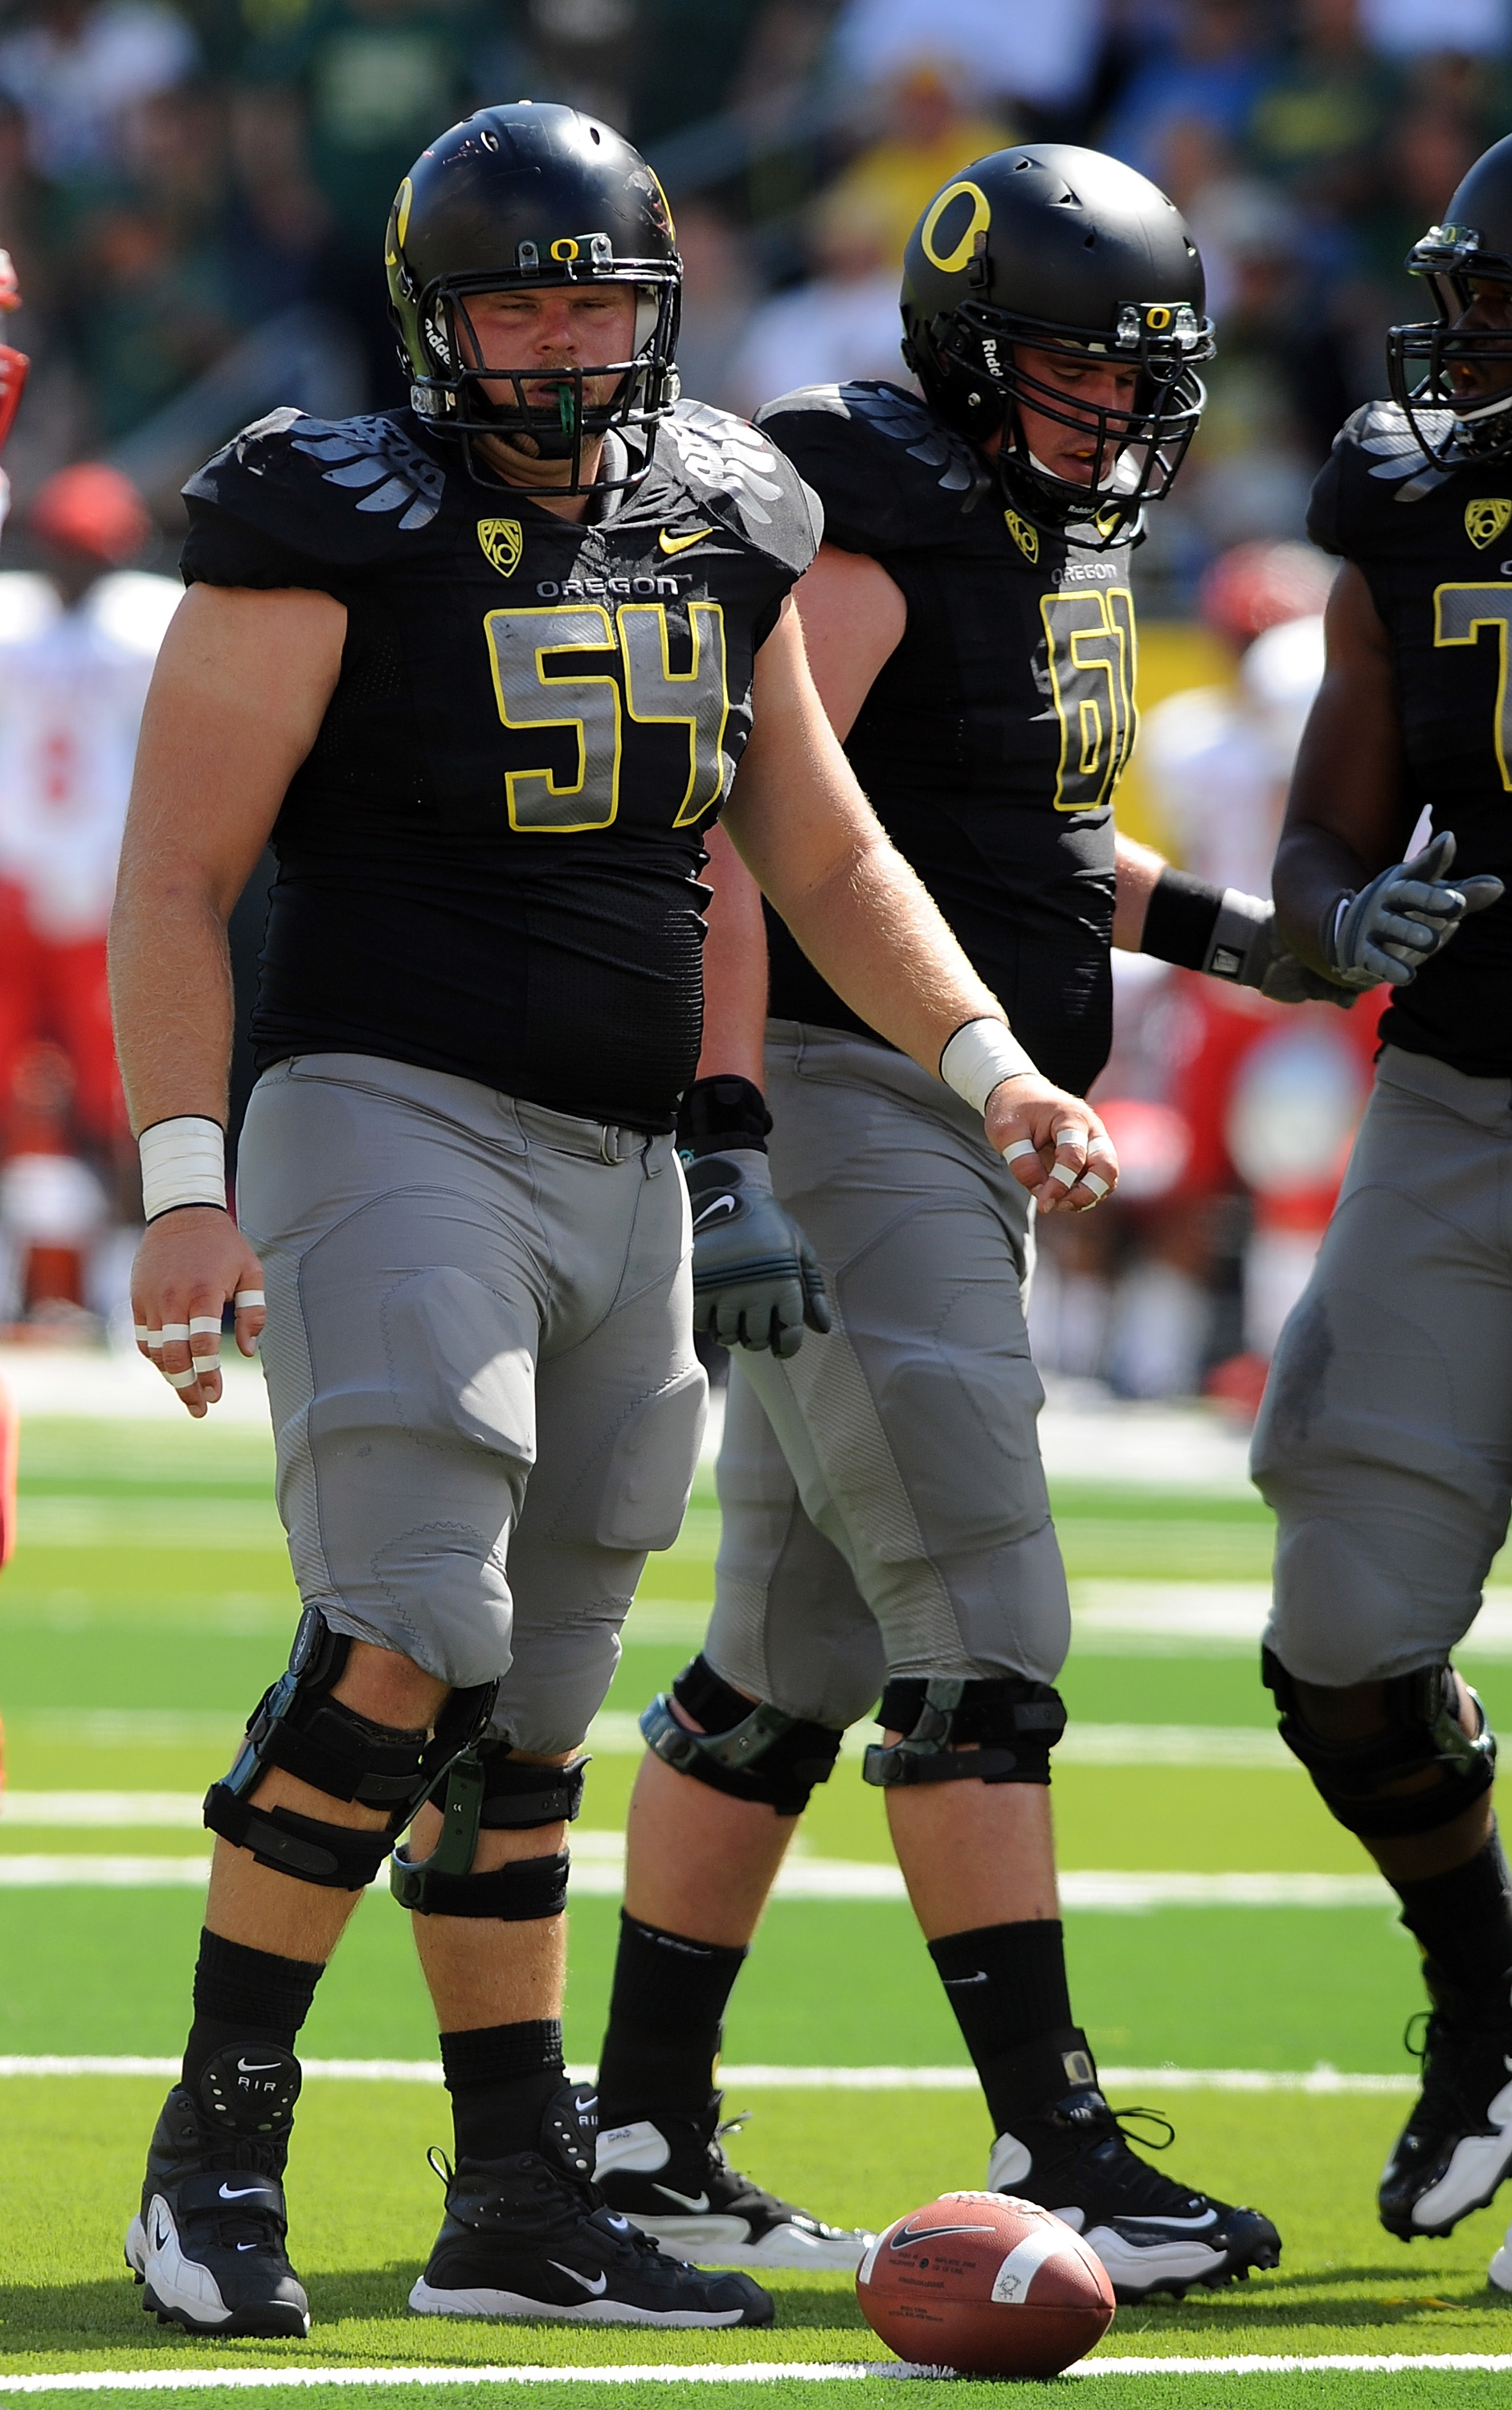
x=297 y=1725
x=485 y=1787
x=520 y=1893
x=338 y=1857
x=1014 y=1722
x=756 y=1752
x=1423 y=1731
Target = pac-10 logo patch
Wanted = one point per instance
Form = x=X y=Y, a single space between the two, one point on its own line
x=502 y=544
x=1024 y=535
x=1485 y=520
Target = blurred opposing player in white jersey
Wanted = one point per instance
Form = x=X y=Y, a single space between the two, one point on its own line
x=77 y=649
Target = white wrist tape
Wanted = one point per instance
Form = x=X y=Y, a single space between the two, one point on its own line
x=979 y=1055
x=182 y=1163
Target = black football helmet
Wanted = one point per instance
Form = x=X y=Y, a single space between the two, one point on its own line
x=1473 y=245
x=524 y=195
x=1060 y=250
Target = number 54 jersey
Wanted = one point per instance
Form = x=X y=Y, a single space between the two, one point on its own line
x=1435 y=550
x=488 y=860
x=994 y=737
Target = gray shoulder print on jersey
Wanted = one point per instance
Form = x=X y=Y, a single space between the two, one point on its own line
x=1388 y=435
x=724 y=456
x=908 y=423
x=362 y=451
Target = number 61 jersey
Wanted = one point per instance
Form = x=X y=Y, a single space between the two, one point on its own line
x=993 y=738
x=488 y=860
x=1435 y=549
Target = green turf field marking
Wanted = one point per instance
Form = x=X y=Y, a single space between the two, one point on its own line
x=754 y=2078
x=754 y=2372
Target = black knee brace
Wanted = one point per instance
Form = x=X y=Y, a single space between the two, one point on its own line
x=1423 y=1730
x=749 y=1752
x=486 y=1789
x=301 y=1727
x=1016 y=1722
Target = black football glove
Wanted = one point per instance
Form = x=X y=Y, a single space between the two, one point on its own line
x=1403 y=919
x=756 y=1279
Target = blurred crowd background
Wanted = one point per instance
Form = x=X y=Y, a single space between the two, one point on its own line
x=194 y=192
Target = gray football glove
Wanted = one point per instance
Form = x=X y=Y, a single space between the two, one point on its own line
x=1403 y=919
x=756 y=1279
x=1245 y=949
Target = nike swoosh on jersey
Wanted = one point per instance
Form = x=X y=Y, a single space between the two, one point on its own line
x=671 y=543
x=695 y=2201
x=720 y=1206
x=594 y=2285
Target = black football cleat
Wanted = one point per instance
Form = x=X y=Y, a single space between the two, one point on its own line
x=530 y=2237
x=1152 y=2235
x=208 y=2241
x=670 y=2175
x=1456 y=2148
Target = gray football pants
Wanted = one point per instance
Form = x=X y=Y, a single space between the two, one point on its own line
x=479 y=1357
x=885 y=1510
x=1385 y=1440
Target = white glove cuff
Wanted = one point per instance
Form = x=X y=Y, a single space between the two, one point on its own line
x=980 y=1053
x=182 y=1163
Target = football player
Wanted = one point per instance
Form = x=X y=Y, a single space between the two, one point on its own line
x=483 y=669
x=886 y=1522
x=1385 y=1440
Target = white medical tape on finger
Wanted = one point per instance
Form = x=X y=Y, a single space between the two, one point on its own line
x=174 y=1330
x=1099 y=1187
x=205 y=1364
x=182 y=1163
x=981 y=1054
x=1066 y=1174
x=180 y=1380
x=143 y=1337
x=247 y=1298
x=1021 y=1147
x=202 y=1322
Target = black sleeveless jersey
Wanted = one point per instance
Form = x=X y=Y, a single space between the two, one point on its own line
x=992 y=740
x=1435 y=549
x=488 y=863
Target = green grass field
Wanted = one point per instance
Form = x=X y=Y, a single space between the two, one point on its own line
x=148 y=1603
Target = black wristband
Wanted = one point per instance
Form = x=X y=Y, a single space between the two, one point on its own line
x=721 y=1112
x=1180 y=919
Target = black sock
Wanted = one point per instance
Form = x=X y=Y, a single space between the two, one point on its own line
x=1463 y=1921
x=501 y=2078
x=1006 y=1984
x=245 y=1995
x=665 y=2023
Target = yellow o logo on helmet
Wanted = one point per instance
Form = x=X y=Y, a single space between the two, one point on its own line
x=564 y=247
x=1157 y=317
x=981 y=219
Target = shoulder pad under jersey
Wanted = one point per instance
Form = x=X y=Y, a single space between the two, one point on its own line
x=889 y=476
x=342 y=490
x=1376 y=462
x=743 y=480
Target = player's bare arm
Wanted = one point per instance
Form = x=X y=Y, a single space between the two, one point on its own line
x=805 y=831
x=1347 y=903
x=241 y=685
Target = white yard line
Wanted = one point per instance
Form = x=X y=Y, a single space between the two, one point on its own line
x=599 y=1874
x=1318 y=2079
x=751 y=2371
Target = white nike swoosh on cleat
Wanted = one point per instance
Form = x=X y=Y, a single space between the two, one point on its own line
x=246 y=2246
x=694 y=2201
x=247 y=2192
x=1183 y=2225
x=594 y=2285
x=258 y=2066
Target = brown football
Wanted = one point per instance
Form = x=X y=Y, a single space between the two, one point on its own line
x=987 y=2285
